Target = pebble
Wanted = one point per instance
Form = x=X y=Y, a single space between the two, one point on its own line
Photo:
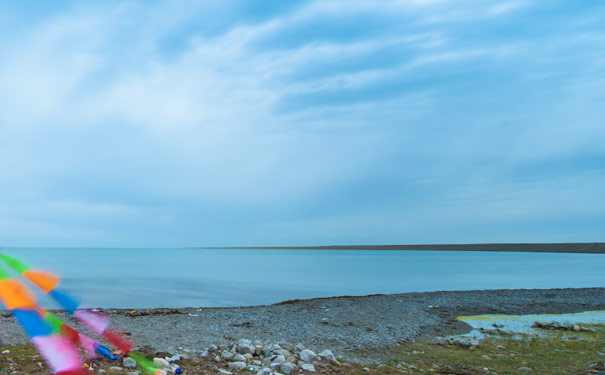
x=223 y=371
x=129 y=362
x=226 y=355
x=524 y=368
x=308 y=367
x=161 y=362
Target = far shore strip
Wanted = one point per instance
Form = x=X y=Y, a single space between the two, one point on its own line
x=580 y=247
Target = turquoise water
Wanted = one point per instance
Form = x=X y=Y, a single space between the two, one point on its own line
x=137 y=278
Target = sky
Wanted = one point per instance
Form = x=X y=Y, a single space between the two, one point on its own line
x=222 y=123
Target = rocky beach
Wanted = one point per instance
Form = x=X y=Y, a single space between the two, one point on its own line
x=358 y=329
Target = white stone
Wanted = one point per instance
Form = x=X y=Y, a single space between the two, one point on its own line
x=226 y=354
x=161 y=362
x=264 y=371
x=129 y=362
x=237 y=365
x=205 y=354
x=174 y=358
x=307 y=355
x=239 y=358
x=308 y=367
x=275 y=366
x=327 y=354
x=223 y=371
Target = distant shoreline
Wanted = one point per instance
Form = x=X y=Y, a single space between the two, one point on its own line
x=579 y=247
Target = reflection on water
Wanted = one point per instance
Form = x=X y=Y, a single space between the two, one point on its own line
x=138 y=278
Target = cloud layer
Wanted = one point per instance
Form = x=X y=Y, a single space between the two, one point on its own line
x=179 y=123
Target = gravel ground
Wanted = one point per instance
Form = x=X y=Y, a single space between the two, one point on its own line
x=342 y=324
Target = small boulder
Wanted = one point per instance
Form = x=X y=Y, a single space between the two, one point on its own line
x=288 y=368
x=307 y=355
x=327 y=354
x=237 y=365
x=227 y=355
x=308 y=367
x=129 y=362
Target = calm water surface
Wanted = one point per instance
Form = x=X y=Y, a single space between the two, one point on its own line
x=137 y=278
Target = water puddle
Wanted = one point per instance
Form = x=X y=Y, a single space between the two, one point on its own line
x=484 y=325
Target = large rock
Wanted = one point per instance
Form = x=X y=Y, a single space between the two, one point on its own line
x=245 y=346
x=288 y=368
x=327 y=354
x=307 y=355
x=237 y=365
x=275 y=366
x=226 y=355
x=308 y=367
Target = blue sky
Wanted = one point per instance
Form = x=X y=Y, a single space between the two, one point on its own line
x=184 y=123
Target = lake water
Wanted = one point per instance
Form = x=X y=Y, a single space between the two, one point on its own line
x=138 y=278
